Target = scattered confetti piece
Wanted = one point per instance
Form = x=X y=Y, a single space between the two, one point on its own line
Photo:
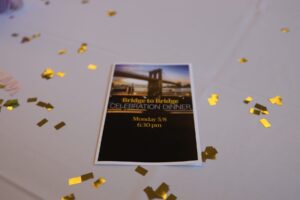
x=2 y=86
x=141 y=170
x=36 y=35
x=59 y=125
x=68 y=197
x=248 y=100
x=171 y=197
x=162 y=190
x=14 y=34
x=42 y=122
x=99 y=182
x=82 y=48
x=276 y=100
x=150 y=193
x=254 y=111
x=1 y=101
x=265 y=123
x=60 y=74
x=209 y=153
x=213 y=100
x=62 y=51
x=48 y=74
x=285 y=30
x=92 y=67
x=260 y=107
x=11 y=104
x=41 y=104
x=80 y=179
x=264 y=112
x=25 y=39
x=32 y=99
x=49 y=107
x=243 y=60
x=111 y=13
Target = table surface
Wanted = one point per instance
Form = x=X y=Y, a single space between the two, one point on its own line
x=253 y=162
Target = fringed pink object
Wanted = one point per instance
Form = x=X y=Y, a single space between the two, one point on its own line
x=11 y=85
x=10 y=5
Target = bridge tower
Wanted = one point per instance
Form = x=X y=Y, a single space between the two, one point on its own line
x=155 y=83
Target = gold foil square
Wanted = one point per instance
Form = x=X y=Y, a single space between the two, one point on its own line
x=59 y=125
x=42 y=122
x=209 y=153
x=265 y=123
x=82 y=48
x=99 y=182
x=213 y=100
x=48 y=73
x=248 y=100
x=141 y=170
x=60 y=74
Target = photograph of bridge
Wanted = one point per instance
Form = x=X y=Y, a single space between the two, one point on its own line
x=151 y=80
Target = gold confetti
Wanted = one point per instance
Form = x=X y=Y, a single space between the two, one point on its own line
x=68 y=197
x=209 y=153
x=162 y=191
x=60 y=74
x=285 y=30
x=11 y=104
x=42 y=122
x=264 y=112
x=141 y=170
x=48 y=74
x=2 y=86
x=92 y=67
x=80 y=179
x=276 y=100
x=82 y=48
x=1 y=101
x=49 y=107
x=248 y=100
x=36 y=35
x=150 y=193
x=171 y=197
x=265 y=123
x=99 y=182
x=25 y=39
x=213 y=100
x=243 y=60
x=32 y=99
x=41 y=104
x=111 y=13
x=62 y=51
x=59 y=125
x=254 y=111
x=260 y=107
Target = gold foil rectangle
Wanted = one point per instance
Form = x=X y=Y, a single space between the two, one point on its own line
x=48 y=73
x=33 y=99
x=141 y=170
x=68 y=197
x=82 y=48
x=49 y=107
x=162 y=190
x=41 y=104
x=209 y=153
x=99 y=182
x=11 y=104
x=254 y=111
x=42 y=122
x=59 y=125
x=80 y=179
x=265 y=123
x=260 y=107
x=248 y=100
